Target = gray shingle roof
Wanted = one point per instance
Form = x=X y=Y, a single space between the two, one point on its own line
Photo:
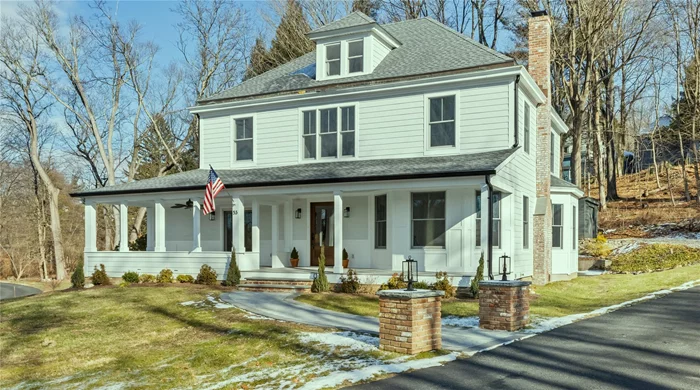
x=427 y=47
x=558 y=182
x=315 y=173
x=356 y=18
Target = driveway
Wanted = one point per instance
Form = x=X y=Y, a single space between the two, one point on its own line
x=11 y=290
x=651 y=345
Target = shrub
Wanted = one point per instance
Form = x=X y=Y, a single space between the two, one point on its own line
x=233 y=276
x=351 y=283
x=421 y=285
x=474 y=288
x=147 y=278
x=77 y=280
x=443 y=283
x=596 y=247
x=139 y=244
x=165 y=276
x=185 y=279
x=130 y=277
x=320 y=283
x=395 y=282
x=99 y=277
x=206 y=275
x=655 y=257
x=294 y=254
x=345 y=254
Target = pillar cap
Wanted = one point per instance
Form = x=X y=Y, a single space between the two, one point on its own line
x=504 y=283
x=403 y=294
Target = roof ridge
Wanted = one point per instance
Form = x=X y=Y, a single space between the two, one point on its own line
x=467 y=39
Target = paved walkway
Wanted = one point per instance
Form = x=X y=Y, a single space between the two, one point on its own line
x=650 y=345
x=11 y=290
x=282 y=306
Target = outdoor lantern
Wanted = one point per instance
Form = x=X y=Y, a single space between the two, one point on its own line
x=346 y=212
x=410 y=271
x=297 y=214
x=505 y=265
x=212 y=216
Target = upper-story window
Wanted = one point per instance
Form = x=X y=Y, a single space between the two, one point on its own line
x=244 y=139
x=355 y=56
x=442 y=121
x=333 y=59
x=325 y=142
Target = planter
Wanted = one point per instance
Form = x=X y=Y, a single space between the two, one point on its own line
x=294 y=262
x=345 y=263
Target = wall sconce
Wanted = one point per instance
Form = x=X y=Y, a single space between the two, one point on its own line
x=346 y=212
x=212 y=216
x=297 y=214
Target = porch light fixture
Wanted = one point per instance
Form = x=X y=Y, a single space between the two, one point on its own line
x=410 y=269
x=297 y=214
x=505 y=265
x=346 y=212
x=212 y=216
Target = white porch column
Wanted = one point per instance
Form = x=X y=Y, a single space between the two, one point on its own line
x=150 y=229
x=484 y=220
x=123 y=228
x=338 y=232
x=196 y=222
x=159 y=228
x=256 y=227
x=288 y=225
x=238 y=223
x=90 y=227
x=276 y=261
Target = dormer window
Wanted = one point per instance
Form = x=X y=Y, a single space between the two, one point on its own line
x=355 y=56
x=333 y=59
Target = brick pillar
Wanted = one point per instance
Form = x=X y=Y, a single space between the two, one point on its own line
x=504 y=305
x=539 y=67
x=410 y=321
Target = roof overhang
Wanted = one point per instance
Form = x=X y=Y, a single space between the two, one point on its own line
x=577 y=192
x=558 y=124
x=374 y=28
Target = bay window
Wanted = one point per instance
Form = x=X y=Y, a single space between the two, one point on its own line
x=557 y=226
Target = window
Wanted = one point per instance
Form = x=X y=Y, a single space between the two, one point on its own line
x=325 y=142
x=244 y=139
x=526 y=222
x=247 y=231
x=333 y=59
x=557 y=228
x=496 y=199
x=574 y=229
x=428 y=219
x=551 y=153
x=355 y=57
x=526 y=133
x=442 y=121
x=380 y=222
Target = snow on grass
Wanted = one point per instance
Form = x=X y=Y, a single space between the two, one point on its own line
x=344 y=340
x=626 y=248
x=210 y=301
x=461 y=322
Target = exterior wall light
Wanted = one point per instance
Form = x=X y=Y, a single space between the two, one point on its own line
x=346 y=212
x=297 y=214
x=410 y=271
x=212 y=216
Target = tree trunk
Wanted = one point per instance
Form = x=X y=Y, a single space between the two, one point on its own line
x=576 y=149
x=108 y=229
x=685 y=176
x=56 y=233
x=135 y=230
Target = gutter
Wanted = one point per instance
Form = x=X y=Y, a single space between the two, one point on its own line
x=489 y=234
x=516 y=89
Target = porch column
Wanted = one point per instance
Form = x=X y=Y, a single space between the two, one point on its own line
x=123 y=228
x=90 y=227
x=276 y=261
x=338 y=232
x=150 y=229
x=238 y=223
x=196 y=222
x=288 y=227
x=256 y=227
x=159 y=228
x=485 y=221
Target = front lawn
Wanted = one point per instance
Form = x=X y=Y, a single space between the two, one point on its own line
x=580 y=295
x=143 y=337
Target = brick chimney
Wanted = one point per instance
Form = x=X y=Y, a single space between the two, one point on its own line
x=539 y=58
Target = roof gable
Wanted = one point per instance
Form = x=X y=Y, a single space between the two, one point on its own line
x=354 y=19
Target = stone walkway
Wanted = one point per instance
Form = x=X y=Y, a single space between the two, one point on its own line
x=282 y=306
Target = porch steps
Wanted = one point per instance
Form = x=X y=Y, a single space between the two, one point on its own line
x=275 y=284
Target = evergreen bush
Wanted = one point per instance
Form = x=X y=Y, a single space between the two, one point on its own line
x=233 y=276
x=395 y=282
x=443 y=283
x=147 y=278
x=185 y=279
x=206 y=275
x=478 y=277
x=100 y=278
x=77 y=280
x=351 y=283
x=294 y=254
x=320 y=284
x=165 y=276
x=130 y=277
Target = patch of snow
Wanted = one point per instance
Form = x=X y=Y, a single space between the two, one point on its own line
x=346 y=340
x=627 y=248
x=461 y=322
x=210 y=301
x=188 y=303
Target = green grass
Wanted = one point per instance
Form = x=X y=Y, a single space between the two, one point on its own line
x=580 y=295
x=141 y=337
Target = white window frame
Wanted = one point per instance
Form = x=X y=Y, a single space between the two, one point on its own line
x=428 y=219
x=561 y=226
x=385 y=220
x=339 y=132
x=349 y=57
x=526 y=222
x=232 y=125
x=447 y=149
x=326 y=68
x=477 y=219
x=574 y=220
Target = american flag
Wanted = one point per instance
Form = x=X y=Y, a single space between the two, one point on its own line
x=214 y=186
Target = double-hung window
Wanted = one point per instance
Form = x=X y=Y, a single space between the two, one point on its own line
x=496 y=227
x=244 y=139
x=347 y=131
x=380 y=222
x=526 y=222
x=574 y=226
x=526 y=130
x=428 y=219
x=333 y=59
x=329 y=132
x=442 y=121
x=325 y=141
x=309 y=134
x=557 y=226
x=355 y=56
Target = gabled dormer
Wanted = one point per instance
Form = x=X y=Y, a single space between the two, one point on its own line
x=351 y=46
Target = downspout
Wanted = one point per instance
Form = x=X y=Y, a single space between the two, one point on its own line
x=489 y=234
x=516 y=89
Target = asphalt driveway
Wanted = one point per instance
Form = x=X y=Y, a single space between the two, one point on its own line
x=11 y=290
x=651 y=345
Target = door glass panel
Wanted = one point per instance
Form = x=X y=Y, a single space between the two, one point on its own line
x=324 y=234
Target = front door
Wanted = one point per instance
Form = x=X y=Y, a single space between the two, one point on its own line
x=322 y=232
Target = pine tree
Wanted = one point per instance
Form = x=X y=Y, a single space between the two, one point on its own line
x=477 y=278
x=290 y=39
x=259 y=62
x=367 y=7
x=321 y=282
x=233 y=277
x=78 y=277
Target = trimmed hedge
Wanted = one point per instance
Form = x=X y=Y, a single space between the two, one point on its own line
x=655 y=257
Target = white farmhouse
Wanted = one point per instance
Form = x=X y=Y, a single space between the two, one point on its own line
x=387 y=141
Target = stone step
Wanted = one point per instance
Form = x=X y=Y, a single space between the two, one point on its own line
x=274 y=288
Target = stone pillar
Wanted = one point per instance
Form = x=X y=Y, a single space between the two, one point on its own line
x=196 y=231
x=504 y=305
x=410 y=321
x=338 y=232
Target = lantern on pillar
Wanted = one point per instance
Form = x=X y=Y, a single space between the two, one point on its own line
x=505 y=265
x=410 y=271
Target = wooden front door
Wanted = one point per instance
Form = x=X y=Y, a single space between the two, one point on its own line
x=322 y=233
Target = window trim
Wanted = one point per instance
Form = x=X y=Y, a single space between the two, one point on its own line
x=326 y=61
x=477 y=228
x=339 y=132
x=232 y=130
x=561 y=227
x=526 y=222
x=377 y=221
x=443 y=247
x=574 y=224
x=447 y=149
x=349 y=57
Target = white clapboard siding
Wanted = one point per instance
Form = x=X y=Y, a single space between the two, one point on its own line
x=379 y=51
x=215 y=142
x=278 y=137
x=484 y=118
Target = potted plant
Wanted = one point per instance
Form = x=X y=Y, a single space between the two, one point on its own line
x=294 y=258
x=346 y=261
